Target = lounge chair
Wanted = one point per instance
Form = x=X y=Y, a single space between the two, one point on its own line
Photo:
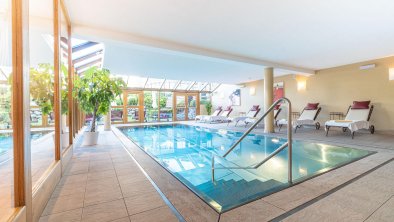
x=252 y=113
x=203 y=117
x=223 y=117
x=357 y=117
x=117 y=115
x=277 y=111
x=307 y=118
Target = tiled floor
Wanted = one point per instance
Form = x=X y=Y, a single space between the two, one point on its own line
x=102 y=183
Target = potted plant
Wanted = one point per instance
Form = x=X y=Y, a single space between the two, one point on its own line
x=208 y=107
x=95 y=90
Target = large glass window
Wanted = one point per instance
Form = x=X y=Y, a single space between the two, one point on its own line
x=192 y=106
x=6 y=132
x=133 y=107
x=151 y=106
x=64 y=82
x=41 y=91
x=166 y=108
x=117 y=109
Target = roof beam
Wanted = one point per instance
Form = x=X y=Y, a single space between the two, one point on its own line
x=84 y=46
x=88 y=56
x=183 y=48
x=92 y=63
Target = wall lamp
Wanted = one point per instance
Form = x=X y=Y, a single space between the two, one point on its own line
x=391 y=74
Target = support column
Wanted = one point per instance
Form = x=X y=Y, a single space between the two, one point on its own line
x=268 y=99
x=107 y=121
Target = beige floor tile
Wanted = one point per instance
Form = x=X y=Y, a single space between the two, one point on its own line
x=126 y=179
x=63 y=203
x=101 y=174
x=105 y=212
x=106 y=194
x=126 y=219
x=136 y=188
x=74 y=188
x=68 y=216
x=384 y=214
x=161 y=214
x=74 y=179
x=255 y=211
x=143 y=202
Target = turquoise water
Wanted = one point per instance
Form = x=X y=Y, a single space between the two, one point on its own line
x=186 y=151
x=6 y=139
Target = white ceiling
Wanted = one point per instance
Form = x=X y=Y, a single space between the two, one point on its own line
x=298 y=36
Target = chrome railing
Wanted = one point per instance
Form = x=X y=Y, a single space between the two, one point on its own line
x=288 y=143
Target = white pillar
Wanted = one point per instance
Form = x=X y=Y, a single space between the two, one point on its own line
x=268 y=99
x=107 y=121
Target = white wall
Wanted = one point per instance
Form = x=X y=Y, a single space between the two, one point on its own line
x=221 y=97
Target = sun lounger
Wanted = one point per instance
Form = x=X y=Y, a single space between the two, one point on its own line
x=202 y=118
x=223 y=117
x=357 y=118
x=252 y=113
x=307 y=118
x=277 y=111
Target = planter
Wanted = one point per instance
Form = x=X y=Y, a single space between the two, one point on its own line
x=90 y=138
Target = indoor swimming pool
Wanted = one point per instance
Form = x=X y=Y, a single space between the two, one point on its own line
x=186 y=152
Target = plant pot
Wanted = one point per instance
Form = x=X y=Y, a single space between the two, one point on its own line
x=90 y=138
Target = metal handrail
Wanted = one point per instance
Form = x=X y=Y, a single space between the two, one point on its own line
x=283 y=146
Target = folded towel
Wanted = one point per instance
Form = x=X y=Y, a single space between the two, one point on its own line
x=343 y=121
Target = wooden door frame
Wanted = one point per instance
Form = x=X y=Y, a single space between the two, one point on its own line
x=140 y=105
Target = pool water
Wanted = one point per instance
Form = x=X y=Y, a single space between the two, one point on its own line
x=6 y=139
x=186 y=152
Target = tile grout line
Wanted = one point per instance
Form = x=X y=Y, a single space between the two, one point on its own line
x=328 y=193
x=392 y=196
x=165 y=199
x=123 y=198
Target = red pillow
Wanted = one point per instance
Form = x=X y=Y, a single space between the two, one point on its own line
x=255 y=108
x=361 y=104
x=311 y=106
x=277 y=107
x=219 y=108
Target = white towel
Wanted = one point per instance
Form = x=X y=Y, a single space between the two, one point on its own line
x=352 y=126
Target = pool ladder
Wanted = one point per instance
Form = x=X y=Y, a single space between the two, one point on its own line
x=288 y=143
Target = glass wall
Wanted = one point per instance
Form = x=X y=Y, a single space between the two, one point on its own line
x=133 y=107
x=42 y=77
x=151 y=106
x=6 y=132
x=65 y=141
x=166 y=107
x=117 y=110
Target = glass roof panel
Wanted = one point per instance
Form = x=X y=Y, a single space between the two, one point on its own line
x=198 y=86
x=184 y=85
x=154 y=83
x=170 y=84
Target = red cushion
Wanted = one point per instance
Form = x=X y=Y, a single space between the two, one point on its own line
x=361 y=104
x=228 y=108
x=311 y=106
x=255 y=108
x=219 y=108
x=277 y=107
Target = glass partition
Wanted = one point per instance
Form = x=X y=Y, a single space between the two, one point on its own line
x=65 y=141
x=6 y=132
x=151 y=106
x=166 y=107
x=192 y=106
x=117 y=110
x=41 y=91
x=180 y=101
x=133 y=105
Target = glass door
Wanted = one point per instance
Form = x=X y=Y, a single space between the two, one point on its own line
x=134 y=107
x=180 y=104
x=187 y=106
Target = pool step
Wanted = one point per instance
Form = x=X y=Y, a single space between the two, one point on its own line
x=224 y=192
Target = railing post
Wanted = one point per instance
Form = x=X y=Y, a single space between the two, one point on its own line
x=290 y=142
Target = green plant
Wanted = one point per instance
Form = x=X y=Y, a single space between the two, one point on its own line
x=208 y=107
x=42 y=87
x=95 y=91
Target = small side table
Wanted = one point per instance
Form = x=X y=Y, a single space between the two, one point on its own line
x=295 y=115
x=336 y=115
